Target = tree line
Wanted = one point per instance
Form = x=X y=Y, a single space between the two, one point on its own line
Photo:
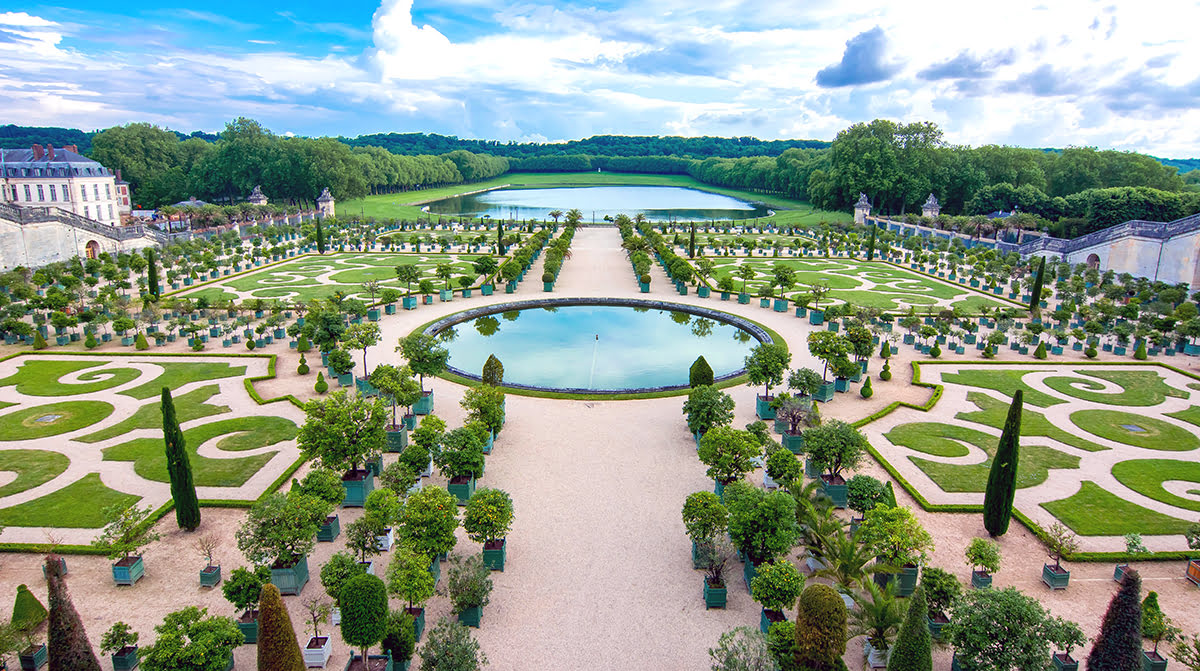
x=597 y=145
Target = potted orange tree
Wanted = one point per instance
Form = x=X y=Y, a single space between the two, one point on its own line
x=487 y=519
x=128 y=530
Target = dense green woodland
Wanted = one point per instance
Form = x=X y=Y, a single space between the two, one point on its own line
x=1069 y=192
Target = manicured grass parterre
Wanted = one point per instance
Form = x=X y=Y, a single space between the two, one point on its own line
x=177 y=374
x=188 y=406
x=1146 y=477
x=1004 y=380
x=1145 y=432
x=43 y=421
x=41 y=377
x=1094 y=511
x=1139 y=387
x=79 y=504
x=992 y=412
x=33 y=468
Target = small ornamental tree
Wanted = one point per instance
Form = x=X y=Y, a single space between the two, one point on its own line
x=425 y=356
x=777 y=586
x=277 y=646
x=766 y=365
x=469 y=583
x=408 y=577
x=700 y=373
x=364 y=604
x=398 y=385
x=728 y=453
x=895 y=535
x=117 y=638
x=913 y=648
x=828 y=347
x=461 y=455
x=401 y=639
x=835 y=446
x=784 y=468
x=493 y=371
x=179 y=467
x=244 y=586
x=762 y=525
x=940 y=589
x=797 y=411
x=343 y=431
x=485 y=404
x=129 y=529
x=450 y=647
x=863 y=492
x=743 y=649
x=192 y=639
x=322 y=484
x=67 y=644
x=1119 y=644
x=820 y=629
x=704 y=516
x=281 y=528
x=488 y=515
x=1005 y=629
x=428 y=521
x=341 y=567
x=1060 y=541
x=983 y=556
x=1002 y=479
x=707 y=407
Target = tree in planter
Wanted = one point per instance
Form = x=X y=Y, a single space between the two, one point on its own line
x=1156 y=626
x=1005 y=629
x=322 y=484
x=361 y=539
x=400 y=639
x=796 y=411
x=820 y=629
x=281 y=529
x=340 y=361
x=381 y=510
x=343 y=431
x=183 y=489
x=896 y=536
x=450 y=647
x=409 y=579
x=828 y=347
x=700 y=373
x=277 y=646
x=743 y=649
x=1002 y=479
x=805 y=381
x=878 y=615
x=863 y=492
x=1060 y=541
x=425 y=356
x=728 y=453
x=834 y=447
x=762 y=524
x=364 y=604
x=488 y=516
x=940 y=588
x=428 y=521
x=128 y=530
x=913 y=650
x=318 y=610
x=117 y=638
x=461 y=455
x=766 y=365
x=68 y=648
x=243 y=589
x=704 y=517
x=341 y=567
x=783 y=467
x=493 y=371
x=469 y=584
x=707 y=407
x=777 y=586
x=192 y=639
x=983 y=556
x=485 y=404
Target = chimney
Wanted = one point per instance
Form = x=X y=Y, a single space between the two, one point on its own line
x=37 y=152
x=49 y=152
x=71 y=148
x=118 y=174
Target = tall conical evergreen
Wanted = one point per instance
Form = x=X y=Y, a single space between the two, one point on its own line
x=179 y=467
x=871 y=245
x=500 y=238
x=152 y=273
x=1119 y=645
x=1002 y=481
x=1035 y=295
x=692 y=242
x=700 y=373
x=67 y=643
x=277 y=646
x=320 y=238
x=913 y=648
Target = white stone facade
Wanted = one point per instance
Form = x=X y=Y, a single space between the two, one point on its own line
x=61 y=177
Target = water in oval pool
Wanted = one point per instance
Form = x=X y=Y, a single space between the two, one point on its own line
x=597 y=347
x=657 y=203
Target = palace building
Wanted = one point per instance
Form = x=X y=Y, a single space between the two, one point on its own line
x=48 y=176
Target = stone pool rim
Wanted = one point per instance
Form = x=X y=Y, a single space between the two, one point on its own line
x=757 y=332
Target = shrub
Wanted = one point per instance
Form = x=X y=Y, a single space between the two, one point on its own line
x=866 y=391
x=1139 y=353
x=1090 y=352
x=777 y=585
x=895 y=535
x=281 y=528
x=400 y=639
x=277 y=646
x=1040 y=352
x=139 y=343
x=339 y=569
x=835 y=446
x=645 y=278
x=863 y=492
x=192 y=639
x=707 y=407
x=302 y=369
x=940 y=588
x=428 y=521
x=323 y=484
x=302 y=344
x=781 y=641
x=784 y=467
x=39 y=342
x=90 y=341
x=321 y=386
x=450 y=647
x=67 y=641
x=117 y=638
x=820 y=628
x=912 y=651
x=983 y=554
x=364 y=604
x=700 y=373
x=742 y=649
x=762 y=525
x=728 y=453
x=493 y=371
x=243 y=587
x=886 y=373
x=704 y=516
x=250 y=344
x=1005 y=629
x=935 y=351
x=469 y=583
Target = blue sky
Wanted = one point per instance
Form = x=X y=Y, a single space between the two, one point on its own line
x=1071 y=72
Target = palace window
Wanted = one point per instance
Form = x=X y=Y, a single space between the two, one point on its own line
x=28 y=197
x=53 y=193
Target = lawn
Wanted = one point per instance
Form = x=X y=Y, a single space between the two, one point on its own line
x=1093 y=511
x=1145 y=476
x=1004 y=380
x=1150 y=433
x=188 y=406
x=43 y=421
x=79 y=504
x=1140 y=387
x=33 y=468
x=993 y=413
x=40 y=377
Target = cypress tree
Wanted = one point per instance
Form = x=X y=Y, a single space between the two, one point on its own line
x=1002 y=480
x=692 y=242
x=500 y=238
x=1036 y=294
x=871 y=245
x=1119 y=645
x=320 y=238
x=28 y=613
x=1150 y=609
x=277 y=646
x=700 y=373
x=493 y=371
x=66 y=640
x=183 y=490
x=152 y=280
x=913 y=648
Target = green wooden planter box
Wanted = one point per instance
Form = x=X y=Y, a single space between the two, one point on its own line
x=125 y=659
x=644 y=287
x=749 y=570
x=935 y=628
x=427 y=300
x=907 y=580
x=547 y=286
x=425 y=405
x=764 y=302
x=462 y=490
x=128 y=570
x=724 y=295
x=372 y=315
x=841 y=384
x=704 y=292
x=762 y=407
x=388 y=656
x=291 y=579
x=397 y=440
x=375 y=466
x=418 y=616
x=1152 y=661
x=793 y=443
x=446 y=295
x=836 y=491
x=358 y=485
x=824 y=392
x=249 y=629
x=389 y=309
x=210 y=576
x=330 y=530
x=780 y=305
x=1064 y=662
x=471 y=616
x=744 y=299
x=1055 y=579
x=495 y=558
x=981 y=579
x=346 y=380
x=714 y=597
x=409 y=302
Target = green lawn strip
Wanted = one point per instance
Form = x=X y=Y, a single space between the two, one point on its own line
x=975 y=304
x=1145 y=476
x=1141 y=387
x=80 y=504
x=1093 y=511
x=937 y=439
x=189 y=406
x=33 y=468
x=1191 y=415
x=876 y=299
x=177 y=374
x=39 y=377
x=1156 y=434
x=248 y=433
x=6 y=404
x=23 y=424
x=993 y=413
x=1006 y=382
x=213 y=295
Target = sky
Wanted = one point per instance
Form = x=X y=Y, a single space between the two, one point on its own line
x=1068 y=72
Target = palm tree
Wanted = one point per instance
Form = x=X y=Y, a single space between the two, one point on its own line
x=574 y=216
x=878 y=616
x=635 y=243
x=847 y=562
x=554 y=214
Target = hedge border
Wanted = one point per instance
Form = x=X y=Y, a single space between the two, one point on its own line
x=1033 y=527
x=170 y=505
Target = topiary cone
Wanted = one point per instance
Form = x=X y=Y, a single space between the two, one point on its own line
x=277 y=646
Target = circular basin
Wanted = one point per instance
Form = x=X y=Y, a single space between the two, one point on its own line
x=596 y=345
x=656 y=203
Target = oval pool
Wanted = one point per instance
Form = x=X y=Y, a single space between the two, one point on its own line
x=657 y=203
x=602 y=346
